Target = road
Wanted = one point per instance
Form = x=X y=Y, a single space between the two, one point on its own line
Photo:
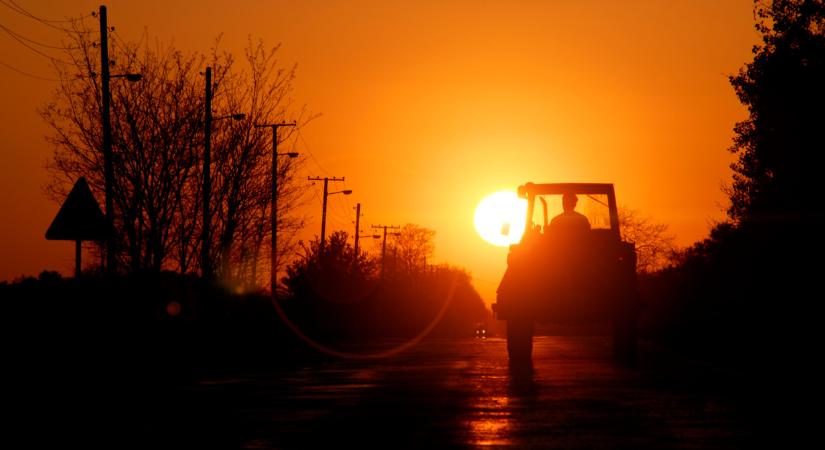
x=461 y=394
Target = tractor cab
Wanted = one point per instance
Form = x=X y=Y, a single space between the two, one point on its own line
x=571 y=266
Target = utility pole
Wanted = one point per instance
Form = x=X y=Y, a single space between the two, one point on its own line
x=108 y=164
x=357 y=223
x=324 y=210
x=384 y=244
x=274 y=200
x=206 y=244
x=106 y=123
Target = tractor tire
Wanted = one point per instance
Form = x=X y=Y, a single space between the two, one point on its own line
x=520 y=342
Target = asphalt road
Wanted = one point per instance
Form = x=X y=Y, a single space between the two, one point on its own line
x=461 y=393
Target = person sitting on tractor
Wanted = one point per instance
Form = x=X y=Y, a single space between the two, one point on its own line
x=570 y=219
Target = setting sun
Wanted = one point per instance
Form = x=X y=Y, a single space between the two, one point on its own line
x=499 y=218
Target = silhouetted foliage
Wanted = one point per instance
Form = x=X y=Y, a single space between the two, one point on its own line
x=334 y=296
x=780 y=144
x=157 y=128
x=655 y=247
x=410 y=248
x=746 y=291
x=336 y=274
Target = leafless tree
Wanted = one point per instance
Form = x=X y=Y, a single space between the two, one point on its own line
x=655 y=247
x=157 y=130
x=410 y=248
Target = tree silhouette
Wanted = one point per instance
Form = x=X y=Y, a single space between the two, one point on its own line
x=335 y=275
x=410 y=249
x=336 y=295
x=780 y=144
x=157 y=128
x=655 y=247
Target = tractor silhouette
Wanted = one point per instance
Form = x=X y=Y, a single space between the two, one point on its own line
x=569 y=275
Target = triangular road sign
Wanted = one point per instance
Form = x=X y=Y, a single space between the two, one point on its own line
x=79 y=218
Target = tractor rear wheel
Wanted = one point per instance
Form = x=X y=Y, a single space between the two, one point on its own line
x=520 y=342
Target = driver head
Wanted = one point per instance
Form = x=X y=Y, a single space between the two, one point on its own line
x=568 y=201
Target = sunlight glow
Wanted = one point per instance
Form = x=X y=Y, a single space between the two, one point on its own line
x=499 y=218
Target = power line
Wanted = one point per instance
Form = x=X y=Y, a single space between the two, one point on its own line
x=23 y=11
x=14 y=33
x=23 y=72
x=334 y=215
x=10 y=4
x=347 y=205
x=23 y=43
x=125 y=48
x=384 y=243
x=306 y=146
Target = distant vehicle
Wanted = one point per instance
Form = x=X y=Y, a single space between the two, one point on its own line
x=481 y=331
x=569 y=275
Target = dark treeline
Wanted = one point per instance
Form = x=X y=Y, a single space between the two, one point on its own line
x=332 y=293
x=180 y=323
x=111 y=359
x=748 y=292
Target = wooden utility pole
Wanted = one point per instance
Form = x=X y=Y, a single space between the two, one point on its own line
x=326 y=181
x=108 y=164
x=206 y=241
x=273 y=257
x=357 y=231
x=384 y=244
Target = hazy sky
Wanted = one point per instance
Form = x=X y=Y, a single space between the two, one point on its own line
x=428 y=106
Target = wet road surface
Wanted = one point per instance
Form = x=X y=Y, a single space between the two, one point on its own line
x=461 y=393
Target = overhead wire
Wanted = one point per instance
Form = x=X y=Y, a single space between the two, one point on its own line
x=309 y=151
x=23 y=43
x=23 y=72
x=12 y=5
x=125 y=48
x=341 y=211
x=343 y=203
x=32 y=41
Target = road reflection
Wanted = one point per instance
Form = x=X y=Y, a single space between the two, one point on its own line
x=461 y=393
x=492 y=423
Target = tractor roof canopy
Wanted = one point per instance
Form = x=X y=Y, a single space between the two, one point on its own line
x=529 y=191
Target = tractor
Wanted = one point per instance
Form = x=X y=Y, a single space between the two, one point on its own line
x=569 y=275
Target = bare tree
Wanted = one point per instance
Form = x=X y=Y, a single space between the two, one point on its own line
x=410 y=248
x=655 y=247
x=157 y=129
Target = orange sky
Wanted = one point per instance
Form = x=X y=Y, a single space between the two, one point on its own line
x=428 y=106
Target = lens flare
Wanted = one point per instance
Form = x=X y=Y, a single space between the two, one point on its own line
x=499 y=218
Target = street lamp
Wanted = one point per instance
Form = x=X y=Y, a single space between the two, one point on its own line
x=273 y=252
x=129 y=76
x=324 y=212
x=236 y=117
x=108 y=165
x=206 y=266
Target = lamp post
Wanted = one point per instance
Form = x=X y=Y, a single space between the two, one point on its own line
x=324 y=212
x=384 y=244
x=274 y=200
x=206 y=244
x=326 y=181
x=108 y=164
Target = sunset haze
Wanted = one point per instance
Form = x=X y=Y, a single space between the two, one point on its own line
x=427 y=107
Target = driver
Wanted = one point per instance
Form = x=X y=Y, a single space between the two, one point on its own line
x=570 y=219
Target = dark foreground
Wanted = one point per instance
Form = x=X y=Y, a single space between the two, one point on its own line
x=461 y=393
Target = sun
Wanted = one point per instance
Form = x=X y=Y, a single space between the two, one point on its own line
x=499 y=218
